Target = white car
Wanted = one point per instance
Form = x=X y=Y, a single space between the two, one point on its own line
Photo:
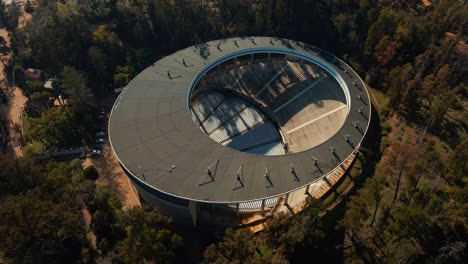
x=96 y=152
x=100 y=140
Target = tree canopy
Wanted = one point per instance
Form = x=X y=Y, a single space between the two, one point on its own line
x=56 y=129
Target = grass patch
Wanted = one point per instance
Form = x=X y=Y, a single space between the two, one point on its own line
x=353 y=173
x=34 y=147
x=377 y=97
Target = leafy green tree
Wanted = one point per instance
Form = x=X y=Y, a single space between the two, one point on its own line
x=99 y=70
x=56 y=129
x=38 y=103
x=356 y=215
x=440 y=105
x=9 y=16
x=32 y=86
x=386 y=24
x=18 y=175
x=242 y=246
x=123 y=75
x=147 y=239
x=18 y=74
x=402 y=252
x=75 y=85
x=4 y=49
x=375 y=186
x=39 y=230
x=457 y=165
x=57 y=37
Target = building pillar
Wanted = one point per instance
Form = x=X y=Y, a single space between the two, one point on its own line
x=263 y=206
x=193 y=210
x=237 y=209
x=307 y=189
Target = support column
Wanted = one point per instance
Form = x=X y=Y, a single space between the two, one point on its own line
x=237 y=209
x=307 y=189
x=193 y=210
x=286 y=199
x=263 y=206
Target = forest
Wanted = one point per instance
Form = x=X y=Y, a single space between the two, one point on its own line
x=410 y=206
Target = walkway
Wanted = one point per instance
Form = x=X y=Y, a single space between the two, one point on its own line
x=16 y=99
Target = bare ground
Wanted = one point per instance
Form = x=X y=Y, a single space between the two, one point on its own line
x=112 y=175
x=16 y=99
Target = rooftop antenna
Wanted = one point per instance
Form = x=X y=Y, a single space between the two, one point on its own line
x=348 y=140
x=267 y=177
x=218 y=46
x=253 y=41
x=356 y=125
x=184 y=63
x=356 y=84
x=235 y=43
x=171 y=169
x=315 y=161
x=271 y=42
x=317 y=165
x=239 y=178
x=238 y=173
x=168 y=74
x=293 y=172
x=208 y=171
x=332 y=150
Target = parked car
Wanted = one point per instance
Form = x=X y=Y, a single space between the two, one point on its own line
x=97 y=146
x=96 y=152
x=100 y=141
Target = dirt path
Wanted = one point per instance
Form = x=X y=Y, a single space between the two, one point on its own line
x=16 y=99
x=89 y=233
x=112 y=175
x=15 y=125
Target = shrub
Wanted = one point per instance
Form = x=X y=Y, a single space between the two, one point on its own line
x=91 y=173
x=384 y=144
x=28 y=7
x=17 y=74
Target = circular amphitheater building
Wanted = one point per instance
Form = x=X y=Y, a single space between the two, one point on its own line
x=229 y=132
